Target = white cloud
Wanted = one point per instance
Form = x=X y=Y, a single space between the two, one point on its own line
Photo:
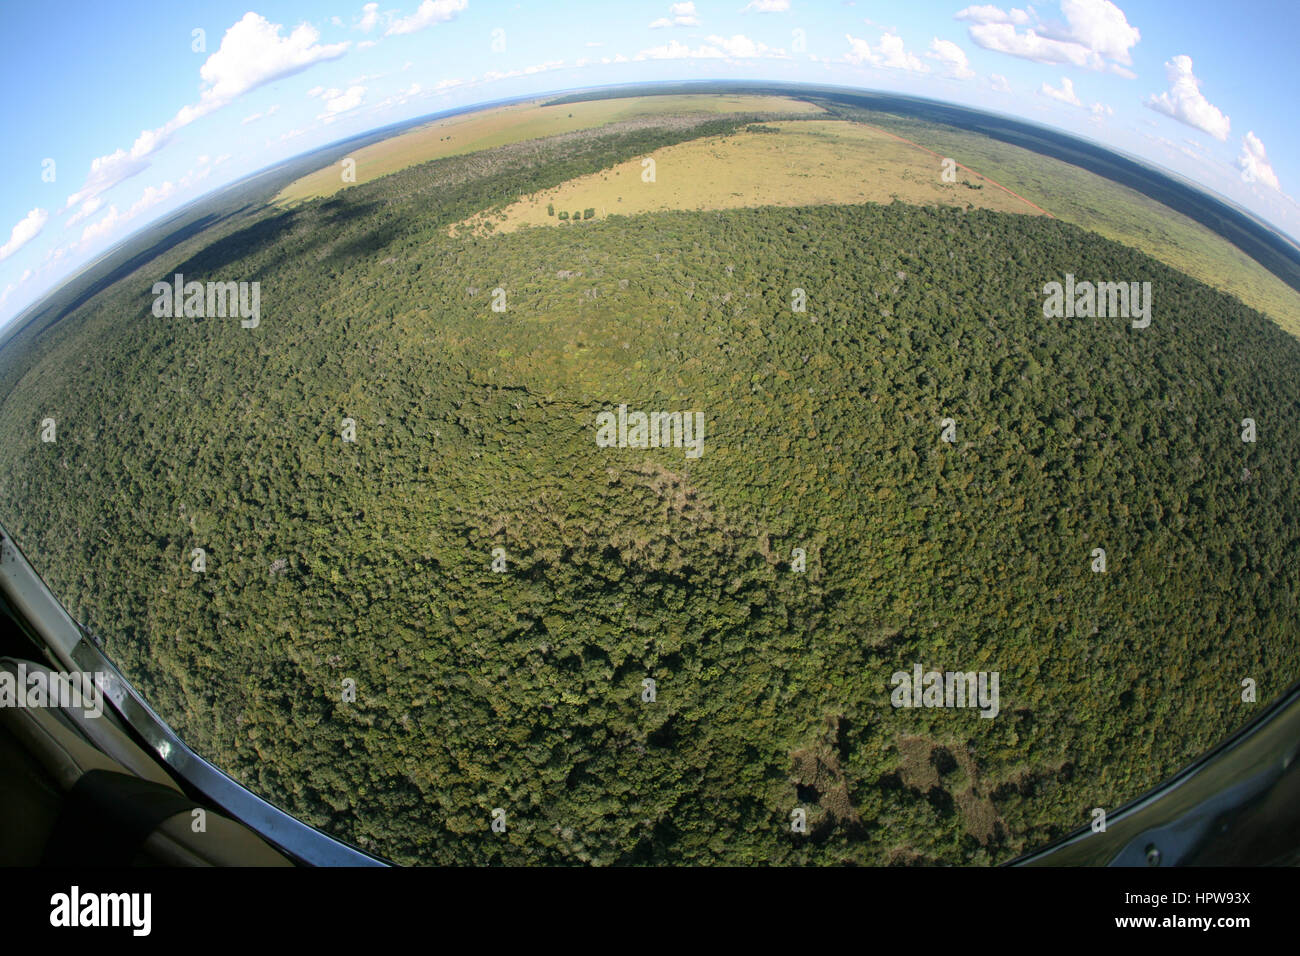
x=107 y=171
x=426 y=15
x=338 y=101
x=1185 y=102
x=892 y=54
x=768 y=6
x=952 y=57
x=898 y=58
x=736 y=47
x=1004 y=38
x=1096 y=35
x=24 y=232
x=369 y=17
x=739 y=46
x=114 y=220
x=1065 y=94
x=1100 y=26
x=88 y=209
x=1101 y=109
x=1253 y=163
x=13 y=286
x=403 y=96
x=493 y=75
x=859 y=50
x=987 y=13
x=105 y=226
x=672 y=50
x=1000 y=83
x=275 y=108
x=679 y=15
x=252 y=53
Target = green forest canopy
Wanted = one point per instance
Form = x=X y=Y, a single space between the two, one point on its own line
x=371 y=560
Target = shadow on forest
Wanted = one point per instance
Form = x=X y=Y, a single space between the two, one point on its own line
x=129 y=266
x=295 y=233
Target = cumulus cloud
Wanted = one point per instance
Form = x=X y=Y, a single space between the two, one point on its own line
x=952 y=57
x=24 y=232
x=369 y=17
x=104 y=227
x=1184 y=101
x=1253 y=163
x=999 y=83
x=253 y=54
x=1100 y=26
x=679 y=15
x=1065 y=94
x=1095 y=34
x=890 y=54
x=426 y=15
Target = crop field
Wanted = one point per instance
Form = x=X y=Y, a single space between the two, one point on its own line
x=485 y=129
x=802 y=163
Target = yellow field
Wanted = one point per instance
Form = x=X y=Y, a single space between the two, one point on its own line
x=810 y=162
x=471 y=132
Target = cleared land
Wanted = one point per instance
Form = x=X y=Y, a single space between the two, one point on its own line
x=804 y=163
x=471 y=132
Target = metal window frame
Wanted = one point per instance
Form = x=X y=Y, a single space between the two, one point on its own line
x=70 y=645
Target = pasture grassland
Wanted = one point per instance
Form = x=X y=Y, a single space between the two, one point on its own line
x=1112 y=210
x=499 y=126
x=808 y=163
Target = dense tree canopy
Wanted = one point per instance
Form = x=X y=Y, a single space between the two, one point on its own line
x=372 y=560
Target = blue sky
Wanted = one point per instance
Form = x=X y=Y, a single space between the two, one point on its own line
x=116 y=114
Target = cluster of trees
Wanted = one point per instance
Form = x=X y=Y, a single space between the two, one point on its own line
x=588 y=213
x=499 y=589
